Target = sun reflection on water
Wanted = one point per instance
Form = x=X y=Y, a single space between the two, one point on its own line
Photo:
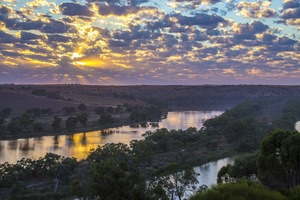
x=80 y=144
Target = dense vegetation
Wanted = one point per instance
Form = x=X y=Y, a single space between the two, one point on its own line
x=159 y=167
x=73 y=119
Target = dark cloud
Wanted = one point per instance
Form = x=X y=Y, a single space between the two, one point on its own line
x=114 y=9
x=268 y=38
x=256 y=9
x=291 y=13
x=253 y=28
x=29 y=36
x=11 y=53
x=4 y=10
x=73 y=9
x=119 y=2
x=15 y=24
x=131 y=35
x=291 y=4
x=55 y=26
x=248 y=31
x=202 y=20
x=6 y=37
x=58 y=38
x=286 y=41
x=199 y=1
x=117 y=43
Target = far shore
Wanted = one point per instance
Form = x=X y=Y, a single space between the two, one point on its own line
x=62 y=132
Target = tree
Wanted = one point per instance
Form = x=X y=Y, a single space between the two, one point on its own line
x=117 y=180
x=242 y=191
x=116 y=174
x=99 y=110
x=71 y=123
x=82 y=107
x=38 y=127
x=26 y=121
x=106 y=119
x=5 y=112
x=176 y=179
x=14 y=126
x=56 y=123
x=244 y=166
x=69 y=110
x=83 y=118
x=110 y=109
x=279 y=159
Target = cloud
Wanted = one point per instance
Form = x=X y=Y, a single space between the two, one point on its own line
x=6 y=38
x=55 y=26
x=73 y=9
x=4 y=10
x=117 y=43
x=119 y=2
x=118 y=10
x=29 y=36
x=251 y=29
x=199 y=1
x=290 y=4
x=58 y=38
x=256 y=9
x=202 y=20
x=290 y=13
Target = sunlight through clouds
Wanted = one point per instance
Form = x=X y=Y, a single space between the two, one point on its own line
x=146 y=42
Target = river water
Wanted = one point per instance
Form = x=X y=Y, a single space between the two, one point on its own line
x=297 y=126
x=79 y=145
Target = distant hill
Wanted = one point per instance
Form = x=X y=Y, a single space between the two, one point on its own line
x=202 y=97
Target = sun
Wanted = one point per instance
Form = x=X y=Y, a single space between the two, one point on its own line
x=90 y=62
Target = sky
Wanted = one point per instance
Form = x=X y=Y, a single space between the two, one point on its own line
x=154 y=42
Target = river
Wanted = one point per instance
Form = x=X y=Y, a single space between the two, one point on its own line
x=79 y=145
x=297 y=126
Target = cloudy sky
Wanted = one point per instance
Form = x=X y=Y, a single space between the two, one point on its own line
x=150 y=41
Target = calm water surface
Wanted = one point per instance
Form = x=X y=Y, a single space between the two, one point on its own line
x=78 y=145
x=297 y=126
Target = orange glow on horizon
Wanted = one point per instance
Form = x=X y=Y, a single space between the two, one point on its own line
x=90 y=62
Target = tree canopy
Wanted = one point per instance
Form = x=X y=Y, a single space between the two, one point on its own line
x=279 y=159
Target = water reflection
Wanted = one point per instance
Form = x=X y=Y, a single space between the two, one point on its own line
x=79 y=145
x=297 y=126
x=209 y=171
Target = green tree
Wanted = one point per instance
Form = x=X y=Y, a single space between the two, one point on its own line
x=110 y=109
x=56 y=123
x=239 y=191
x=83 y=118
x=5 y=112
x=106 y=119
x=279 y=159
x=117 y=180
x=244 y=166
x=82 y=107
x=14 y=126
x=99 y=110
x=71 y=123
x=38 y=127
x=141 y=151
x=116 y=174
x=175 y=179
x=26 y=120
x=69 y=110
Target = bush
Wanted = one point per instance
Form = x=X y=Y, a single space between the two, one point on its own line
x=240 y=191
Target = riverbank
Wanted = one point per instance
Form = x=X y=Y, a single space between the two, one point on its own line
x=62 y=132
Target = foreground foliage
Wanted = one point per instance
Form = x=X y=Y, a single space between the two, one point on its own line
x=279 y=159
x=240 y=191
